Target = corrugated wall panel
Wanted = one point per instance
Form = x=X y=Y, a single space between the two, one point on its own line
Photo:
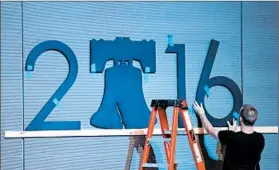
x=260 y=58
x=76 y=23
x=260 y=68
x=11 y=84
x=270 y=153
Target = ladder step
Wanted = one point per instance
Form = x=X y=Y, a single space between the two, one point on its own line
x=150 y=165
x=167 y=139
x=156 y=165
x=169 y=102
x=164 y=139
x=168 y=132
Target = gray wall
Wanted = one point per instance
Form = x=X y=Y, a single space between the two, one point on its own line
x=248 y=54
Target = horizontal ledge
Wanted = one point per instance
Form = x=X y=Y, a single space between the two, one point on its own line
x=112 y=132
x=134 y=0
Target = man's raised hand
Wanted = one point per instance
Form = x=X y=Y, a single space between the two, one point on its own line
x=198 y=108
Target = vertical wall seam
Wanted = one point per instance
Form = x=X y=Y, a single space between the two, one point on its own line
x=241 y=47
x=22 y=75
x=278 y=57
x=1 y=83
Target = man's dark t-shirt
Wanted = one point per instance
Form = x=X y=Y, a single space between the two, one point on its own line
x=243 y=151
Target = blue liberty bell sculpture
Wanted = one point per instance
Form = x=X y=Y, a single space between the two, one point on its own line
x=123 y=103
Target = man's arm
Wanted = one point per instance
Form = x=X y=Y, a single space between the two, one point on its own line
x=208 y=127
x=206 y=124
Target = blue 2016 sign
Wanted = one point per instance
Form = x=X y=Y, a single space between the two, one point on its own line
x=116 y=101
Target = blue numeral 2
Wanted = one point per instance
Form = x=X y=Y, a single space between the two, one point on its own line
x=38 y=123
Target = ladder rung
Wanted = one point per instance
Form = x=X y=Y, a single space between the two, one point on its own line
x=167 y=139
x=150 y=165
x=156 y=165
x=168 y=132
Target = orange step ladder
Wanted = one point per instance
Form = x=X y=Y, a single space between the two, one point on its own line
x=169 y=136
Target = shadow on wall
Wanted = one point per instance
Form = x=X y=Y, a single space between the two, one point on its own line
x=137 y=142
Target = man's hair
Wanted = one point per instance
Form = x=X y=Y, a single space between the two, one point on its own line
x=249 y=114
